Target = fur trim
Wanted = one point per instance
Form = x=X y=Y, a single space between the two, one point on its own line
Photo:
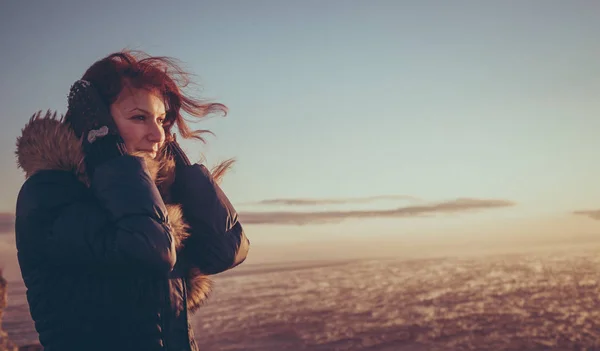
x=46 y=142
x=179 y=227
x=199 y=287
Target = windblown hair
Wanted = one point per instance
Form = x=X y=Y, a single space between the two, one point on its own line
x=128 y=68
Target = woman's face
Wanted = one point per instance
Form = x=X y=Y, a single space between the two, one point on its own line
x=139 y=115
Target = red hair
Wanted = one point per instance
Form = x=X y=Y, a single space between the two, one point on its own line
x=161 y=74
x=164 y=75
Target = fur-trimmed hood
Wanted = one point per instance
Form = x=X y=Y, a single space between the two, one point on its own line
x=47 y=143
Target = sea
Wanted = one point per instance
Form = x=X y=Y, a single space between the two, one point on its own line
x=546 y=300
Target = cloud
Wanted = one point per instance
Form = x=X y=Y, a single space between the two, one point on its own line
x=7 y=222
x=339 y=201
x=593 y=214
x=303 y=218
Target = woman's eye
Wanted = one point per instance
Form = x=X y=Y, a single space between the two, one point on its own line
x=143 y=118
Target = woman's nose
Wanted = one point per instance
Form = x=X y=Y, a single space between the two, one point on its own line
x=156 y=134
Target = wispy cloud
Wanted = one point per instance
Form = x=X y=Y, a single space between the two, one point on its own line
x=593 y=214
x=303 y=218
x=336 y=201
x=319 y=217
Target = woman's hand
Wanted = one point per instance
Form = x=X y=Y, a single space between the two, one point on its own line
x=172 y=148
x=217 y=241
x=91 y=120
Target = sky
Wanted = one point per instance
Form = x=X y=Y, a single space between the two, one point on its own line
x=387 y=119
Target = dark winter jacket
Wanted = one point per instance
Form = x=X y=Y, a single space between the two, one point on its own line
x=118 y=263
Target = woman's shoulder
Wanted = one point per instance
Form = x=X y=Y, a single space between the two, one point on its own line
x=49 y=189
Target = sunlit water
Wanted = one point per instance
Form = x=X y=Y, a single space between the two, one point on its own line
x=506 y=302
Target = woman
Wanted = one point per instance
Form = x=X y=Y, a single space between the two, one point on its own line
x=116 y=230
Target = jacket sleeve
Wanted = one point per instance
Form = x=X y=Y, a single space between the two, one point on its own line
x=119 y=222
x=217 y=241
